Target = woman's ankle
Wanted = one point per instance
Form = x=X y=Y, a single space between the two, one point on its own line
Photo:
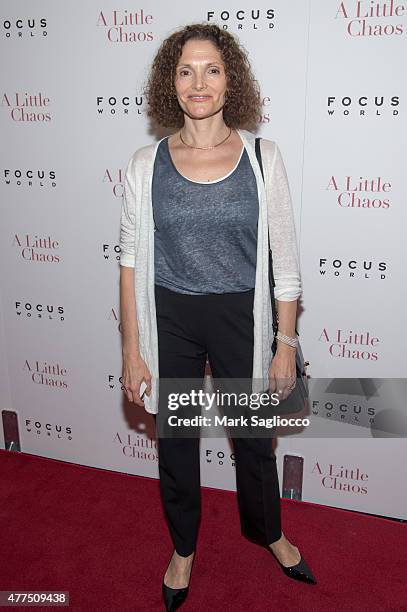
x=183 y=556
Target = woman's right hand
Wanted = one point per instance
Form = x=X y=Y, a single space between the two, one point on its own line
x=135 y=371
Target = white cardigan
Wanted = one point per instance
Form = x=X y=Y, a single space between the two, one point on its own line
x=137 y=251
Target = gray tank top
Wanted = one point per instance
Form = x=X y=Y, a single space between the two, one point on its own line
x=205 y=234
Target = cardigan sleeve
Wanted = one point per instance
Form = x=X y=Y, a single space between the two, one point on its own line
x=282 y=233
x=128 y=217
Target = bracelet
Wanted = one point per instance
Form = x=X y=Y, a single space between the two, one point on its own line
x=287 y=340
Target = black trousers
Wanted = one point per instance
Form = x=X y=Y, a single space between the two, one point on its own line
x=220 y=327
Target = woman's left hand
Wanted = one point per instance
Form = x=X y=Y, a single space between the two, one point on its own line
x=282 y=372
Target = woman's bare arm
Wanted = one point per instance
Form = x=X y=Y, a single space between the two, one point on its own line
x=135 y=370
x=287 y=317
x=128 y=316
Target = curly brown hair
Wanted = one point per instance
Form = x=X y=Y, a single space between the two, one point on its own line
x=242 y=108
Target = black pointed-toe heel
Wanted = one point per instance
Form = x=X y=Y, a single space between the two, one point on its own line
x=173 y=598
x=300 y=571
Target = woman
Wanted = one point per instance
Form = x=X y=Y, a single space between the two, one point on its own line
x=194 y=277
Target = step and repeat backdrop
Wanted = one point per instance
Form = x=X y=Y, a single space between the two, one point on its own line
x=73 y=112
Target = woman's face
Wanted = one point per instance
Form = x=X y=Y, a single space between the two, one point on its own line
x=200 y=79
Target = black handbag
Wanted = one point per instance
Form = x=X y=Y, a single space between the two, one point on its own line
x=297 y=399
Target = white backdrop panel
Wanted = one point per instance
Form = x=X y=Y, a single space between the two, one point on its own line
x=61 y=191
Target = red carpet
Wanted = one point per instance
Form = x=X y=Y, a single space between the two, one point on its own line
x=101 y=536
